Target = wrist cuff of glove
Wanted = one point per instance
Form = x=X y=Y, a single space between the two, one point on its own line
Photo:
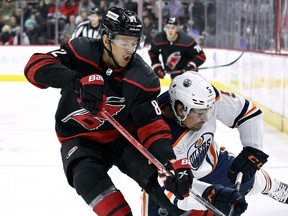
x=210 y=193
x=256 y=152
x=183 y=164
x=255 y=156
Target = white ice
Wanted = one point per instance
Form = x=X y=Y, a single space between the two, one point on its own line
x=32 y=181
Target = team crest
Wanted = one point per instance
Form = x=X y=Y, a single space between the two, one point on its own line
x=173 y=60
x=198 y=150
x=133 y=18
x=113 y=106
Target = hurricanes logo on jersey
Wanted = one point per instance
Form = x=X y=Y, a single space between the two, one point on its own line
x=113 y=106
x=173 y=60
x=198 y=150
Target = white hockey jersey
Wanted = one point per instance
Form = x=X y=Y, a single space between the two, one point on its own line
x=201 y=148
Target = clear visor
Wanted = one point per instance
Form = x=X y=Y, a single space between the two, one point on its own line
x=125 y=44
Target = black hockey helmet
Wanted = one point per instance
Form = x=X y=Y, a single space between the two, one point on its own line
x=171 y=21
x=120 y=21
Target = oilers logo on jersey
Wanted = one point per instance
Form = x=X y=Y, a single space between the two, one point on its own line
x=198 y=150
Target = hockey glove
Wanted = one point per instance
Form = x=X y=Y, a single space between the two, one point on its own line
x=186 y=204
x=181 y=179
x=222 y=198
x=159 y=70
x=248 y=162
x=191 y=66
x=91 y=93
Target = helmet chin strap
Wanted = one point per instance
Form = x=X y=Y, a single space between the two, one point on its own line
x=180 y=120
x=110 y=53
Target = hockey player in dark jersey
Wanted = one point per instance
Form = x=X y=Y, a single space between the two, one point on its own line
x=179 y=51
x=89 y=28
x=107 y=73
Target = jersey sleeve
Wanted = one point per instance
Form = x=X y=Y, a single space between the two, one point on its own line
x=51 y=69
x=153 y=132
x=196 y=54
x=154 y=53
x=189 y=202
x=237 y=112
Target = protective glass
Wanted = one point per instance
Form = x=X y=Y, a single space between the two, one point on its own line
x=125 y=44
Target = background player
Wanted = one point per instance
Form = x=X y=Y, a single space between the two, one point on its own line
x=191 y=109
x=179 y=51
x=93 y=74
x=89 y=28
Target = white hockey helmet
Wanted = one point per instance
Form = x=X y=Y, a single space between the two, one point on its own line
x=193 y=91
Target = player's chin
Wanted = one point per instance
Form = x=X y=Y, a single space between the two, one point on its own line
x=196 y=127
x=125 y=62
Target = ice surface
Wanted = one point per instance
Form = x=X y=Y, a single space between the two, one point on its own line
x=32 y=181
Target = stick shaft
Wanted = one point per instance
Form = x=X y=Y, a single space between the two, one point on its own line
x=237 y=185
x=132 y=140
x=152 y=159
x=209 y=67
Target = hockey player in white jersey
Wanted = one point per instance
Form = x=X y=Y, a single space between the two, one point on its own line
x=191 y=107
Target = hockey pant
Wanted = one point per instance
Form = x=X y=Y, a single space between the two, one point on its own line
x=86 y=166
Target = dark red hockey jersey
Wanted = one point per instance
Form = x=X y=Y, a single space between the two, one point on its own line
x=131 y=96
x=175 y=55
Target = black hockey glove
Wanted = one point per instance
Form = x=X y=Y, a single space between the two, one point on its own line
x=222 y=198
x=248 y=162
x=91 y=93
x=191 y=66
x=159 y=71
x=181 y=179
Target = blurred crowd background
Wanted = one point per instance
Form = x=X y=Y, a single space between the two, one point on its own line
x=258 y=25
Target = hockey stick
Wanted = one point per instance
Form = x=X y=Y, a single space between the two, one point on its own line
x=209 y=67
x=153 y=160
x=237 y=185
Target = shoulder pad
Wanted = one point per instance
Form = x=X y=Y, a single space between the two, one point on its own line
x=184 y=38
x=140 y=73
x=217 y=97
x=160 y=38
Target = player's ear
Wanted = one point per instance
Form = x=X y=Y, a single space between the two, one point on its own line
x=180 y=110
x=106 y=42
x=164 y=28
